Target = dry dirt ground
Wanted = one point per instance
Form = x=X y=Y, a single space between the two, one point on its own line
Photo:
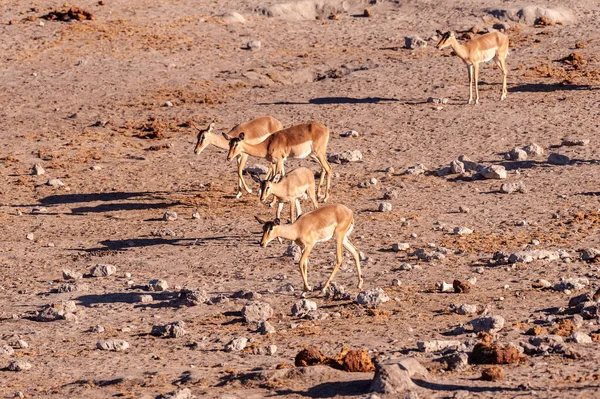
x=86 y=100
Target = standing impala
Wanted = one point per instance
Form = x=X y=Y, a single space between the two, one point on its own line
x=297 y=141
x=255 y=131
x=490 y=46
x=320 y=225
x=298 y=183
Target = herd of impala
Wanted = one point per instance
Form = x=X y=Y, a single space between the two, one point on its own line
x=265 y=137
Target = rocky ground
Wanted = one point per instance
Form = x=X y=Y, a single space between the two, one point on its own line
x=130 y=270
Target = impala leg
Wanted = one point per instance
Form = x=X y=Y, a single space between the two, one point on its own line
x=339 y=258
x=240 y=178
x=304 y=267
x=325 y=169
x=504 y=74
x=279 y=209
x=354 y=253
x=292 y=210
x=470 y=73
x=241 y=164
x=298 y=210
x=476 y=78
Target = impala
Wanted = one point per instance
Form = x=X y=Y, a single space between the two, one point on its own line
x=255 y=131
x=320 y=225
x=490 y=46
x=297 y=141
x=298 y=183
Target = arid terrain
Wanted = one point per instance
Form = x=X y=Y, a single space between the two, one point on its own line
x=106 y=102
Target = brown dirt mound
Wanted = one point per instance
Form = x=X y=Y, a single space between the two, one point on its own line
x=564 y=328
x=73 y=13
x=493 y=373
x=485 y=353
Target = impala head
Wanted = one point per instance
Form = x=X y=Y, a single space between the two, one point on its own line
x=268 y=230
x=203 y=138
x=235 y=146
x=266 y=186
x=446 y=38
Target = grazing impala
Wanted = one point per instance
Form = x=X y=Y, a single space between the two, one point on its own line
x=296 y=184
x=322 y=224
x=297 y=141
x=490 y=46
x=255 y=131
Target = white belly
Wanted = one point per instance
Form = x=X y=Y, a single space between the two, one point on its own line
x=488 y=54
x=304 y=154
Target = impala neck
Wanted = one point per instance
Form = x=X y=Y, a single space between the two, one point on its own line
x=277 y=190
x=219 y=141
x=459 y=49
x=256 y=150
x=287 y=231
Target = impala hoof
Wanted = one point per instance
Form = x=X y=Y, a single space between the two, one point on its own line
x=360 y=283
x=238 y=195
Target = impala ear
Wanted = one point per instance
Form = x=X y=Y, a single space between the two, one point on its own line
x=277 y=222
x=226 y=136
x=277 y=177
x=241 y=136
x=260 y=220
x=439 y=32
x=211 y=127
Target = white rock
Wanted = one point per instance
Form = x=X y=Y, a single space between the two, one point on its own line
x=385 y=207
x=303 y=307
x=114 y=345
x=581 y=338
x=494 y=172
x=103 y=270
x=513 y=187
x=413 y=42
x=440 y=345
x=400 y=246
x=254 y=45
x=236 y=344
x=157 y=285
x=254 y=312
x=55 y=183
x=19 y=365
x=170 y=216
x=462 y=231
x=372 y=297
x=37 y=170
x=491 y=324
x=232 y=18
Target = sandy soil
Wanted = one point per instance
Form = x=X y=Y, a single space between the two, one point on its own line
x=92 y=93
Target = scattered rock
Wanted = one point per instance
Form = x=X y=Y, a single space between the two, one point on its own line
x=68 y=14
x=462 y=231
x=255 y=312
x=6 y=350
x=575 y=142
x=309 y=357
x=438 y=346
x=71 y=274
x=337 y=292
x=170 y=216
x=493 y=373
x=581 y=338
x=400 y=246
x=490 y=324
x=266 y=328
x=558 y=159
x=196 y=215
x=183 y=393
x=590 y=254
x=19 y=365
x=532 y=15
x=494 y=172
x=574 y=283
x=236 y=345
x=157 y=285
x=385 y=207
x=457 y=361
x=465 y=309
x=513 y=187
x=30 y=236
x=461 y=287
x=345 y=157
x=171 y=330
x=393 y=377
x=144 y=298
x=37 y=170
x=529 y=256
x=114 y=345
x=457 y=167
x=413 y=42
x=304 y=308
x=254 y=45
x=189 y=297
x=257 y=169
x=445 y=287
x=350 y=133
x=57 y=311
x=103 y=270
x=232 y=18
x=517 y=154
x=541 y=284
x=416 y=170
x=372 y=297
x=533 y=150
x=55 y=183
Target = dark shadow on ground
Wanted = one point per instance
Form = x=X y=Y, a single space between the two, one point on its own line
x=127 y=206
x=548 y=87
x=122 y=297
x=76 y=198
x=336 y=100
x=434 y=386
x=332 y=389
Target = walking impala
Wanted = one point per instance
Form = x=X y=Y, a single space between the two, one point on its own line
x=297 y=141
x=255 y=131
x=490 y=46
x=298 y=183
x=320 y=225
